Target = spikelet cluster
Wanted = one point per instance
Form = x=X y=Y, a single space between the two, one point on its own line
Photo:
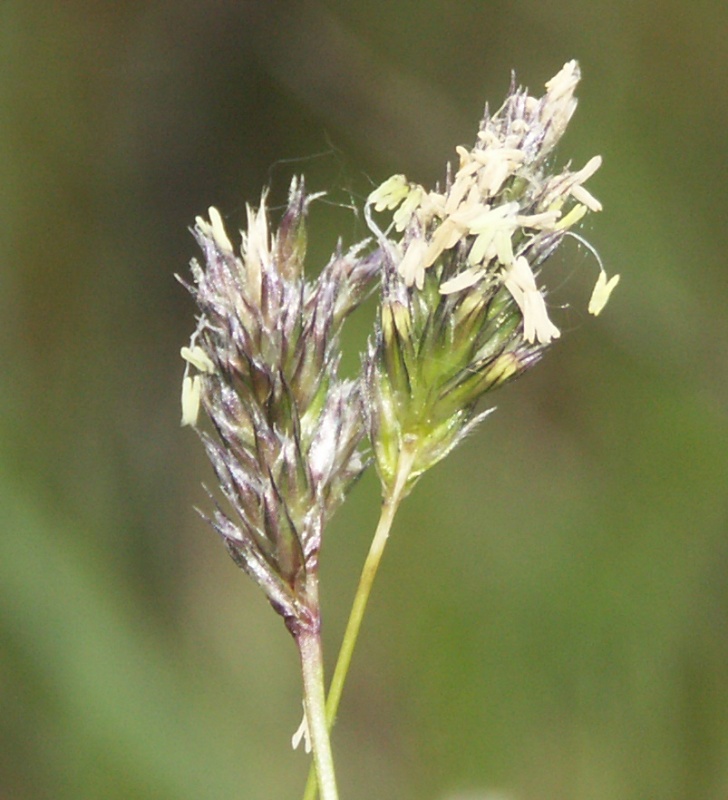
x=462 y=311
x=263 y=365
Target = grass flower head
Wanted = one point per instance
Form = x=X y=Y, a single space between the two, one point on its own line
x=263 y=364
x=463 y=310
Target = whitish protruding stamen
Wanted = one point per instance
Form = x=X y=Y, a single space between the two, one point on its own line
x=464 y=280
x=198 y=358
x=191 y=394
x=256 y=251
x=390 y=194
x=215 y=229
x=412 y=265
x=559 y=103
x=411 y=203
x=578 y=191
x=576 y=214
x=521 y=283
x=602 y=290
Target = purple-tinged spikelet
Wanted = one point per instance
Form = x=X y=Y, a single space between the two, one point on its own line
x=263 y=365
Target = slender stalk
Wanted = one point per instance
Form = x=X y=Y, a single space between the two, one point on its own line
x=314 y=701
x=390 y=505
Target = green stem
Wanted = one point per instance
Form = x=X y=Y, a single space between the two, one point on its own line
x=390 y=504
x=314 y=701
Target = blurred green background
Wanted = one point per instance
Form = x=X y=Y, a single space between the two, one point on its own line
x=551 y=619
